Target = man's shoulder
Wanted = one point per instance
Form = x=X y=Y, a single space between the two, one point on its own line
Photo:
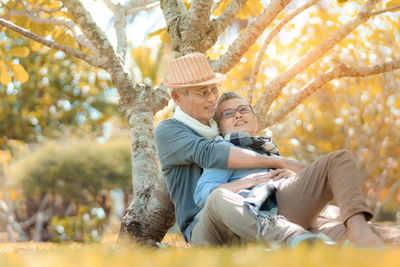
x=168 y=122
x=170 y=127
x=171 y=124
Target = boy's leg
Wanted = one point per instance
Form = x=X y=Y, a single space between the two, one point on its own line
x=300 y=199
x=331 y=227
x=329 y=224
x=226 y=220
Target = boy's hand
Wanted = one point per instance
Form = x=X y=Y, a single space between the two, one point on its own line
x=256 y=178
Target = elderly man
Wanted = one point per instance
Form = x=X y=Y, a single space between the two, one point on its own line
x=185 y=147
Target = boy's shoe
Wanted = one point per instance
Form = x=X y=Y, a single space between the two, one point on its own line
x=276 y=228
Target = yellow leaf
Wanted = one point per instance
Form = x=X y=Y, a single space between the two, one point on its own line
x=42 y=2
x=35 y=46
x=53 y=5
x=393 y=3
x=250 y=9
x=58 y=35
x=13 y=195
x=4 y=76
x=187 y=4
x=397 y=103
x=162 y=33
x=19 y=72
x=221 y=7
x=69 y=41
x=19 y=52
x=5 y=156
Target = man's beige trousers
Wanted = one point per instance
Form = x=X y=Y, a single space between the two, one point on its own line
x=225 y=220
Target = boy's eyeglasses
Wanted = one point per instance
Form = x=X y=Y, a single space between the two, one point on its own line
x=230 y=112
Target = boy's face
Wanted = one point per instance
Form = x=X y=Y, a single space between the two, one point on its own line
x=239 y=117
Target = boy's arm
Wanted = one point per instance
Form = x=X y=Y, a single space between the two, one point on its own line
x=246 y=182
x=208 y=181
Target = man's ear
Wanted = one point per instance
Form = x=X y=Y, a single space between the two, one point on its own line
x=177 y=97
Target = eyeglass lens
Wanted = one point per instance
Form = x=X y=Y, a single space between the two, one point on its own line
x=230 y=112
x=206 y=91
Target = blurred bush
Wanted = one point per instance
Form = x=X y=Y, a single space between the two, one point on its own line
x=66 y=188
x=78 y=170
x=86 y=225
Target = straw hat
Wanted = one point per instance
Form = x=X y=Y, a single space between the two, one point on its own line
x=191 y=70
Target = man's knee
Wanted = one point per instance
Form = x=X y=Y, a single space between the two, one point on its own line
x=342 y=154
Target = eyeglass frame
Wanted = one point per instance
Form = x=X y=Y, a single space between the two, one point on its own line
x=236 y=110
x=210 y=90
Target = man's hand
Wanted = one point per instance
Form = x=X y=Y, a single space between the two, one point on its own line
x=292 y=165
x=281 y=173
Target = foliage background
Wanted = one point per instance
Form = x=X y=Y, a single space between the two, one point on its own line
x=41 y=101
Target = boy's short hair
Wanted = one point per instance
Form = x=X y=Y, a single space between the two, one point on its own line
x=225 y=96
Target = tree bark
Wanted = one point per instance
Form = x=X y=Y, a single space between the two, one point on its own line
x=151 y=213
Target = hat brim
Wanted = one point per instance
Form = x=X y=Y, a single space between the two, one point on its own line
x=219 y=77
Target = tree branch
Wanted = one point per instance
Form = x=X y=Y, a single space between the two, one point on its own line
x=174 y=12
x=160 y=98
x=111 y=5
x=120 y=29
x=248 y=37
x=274 y=87
x=72 y=52
x=112 y=62
x=339 y=71
x=77 y=33
x=392 y=190
x=378 y=12
x=140 y=8
x=229 y=14
x=271 y=35
x=200 y=10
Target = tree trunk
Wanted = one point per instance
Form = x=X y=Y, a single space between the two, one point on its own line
x=150 y=213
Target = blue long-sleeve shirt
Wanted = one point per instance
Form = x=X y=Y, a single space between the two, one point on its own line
x=183 y=153
x=213 y=177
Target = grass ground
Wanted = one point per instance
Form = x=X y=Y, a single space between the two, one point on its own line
x=179 y=254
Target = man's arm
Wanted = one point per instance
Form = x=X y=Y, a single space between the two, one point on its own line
x=244 y=159
x=178 y=145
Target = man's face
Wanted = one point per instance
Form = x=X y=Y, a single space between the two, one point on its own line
x=236 y=116
x=199 y=102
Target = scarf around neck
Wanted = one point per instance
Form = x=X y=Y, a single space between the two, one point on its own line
x=258 y=143
x=208 y=131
